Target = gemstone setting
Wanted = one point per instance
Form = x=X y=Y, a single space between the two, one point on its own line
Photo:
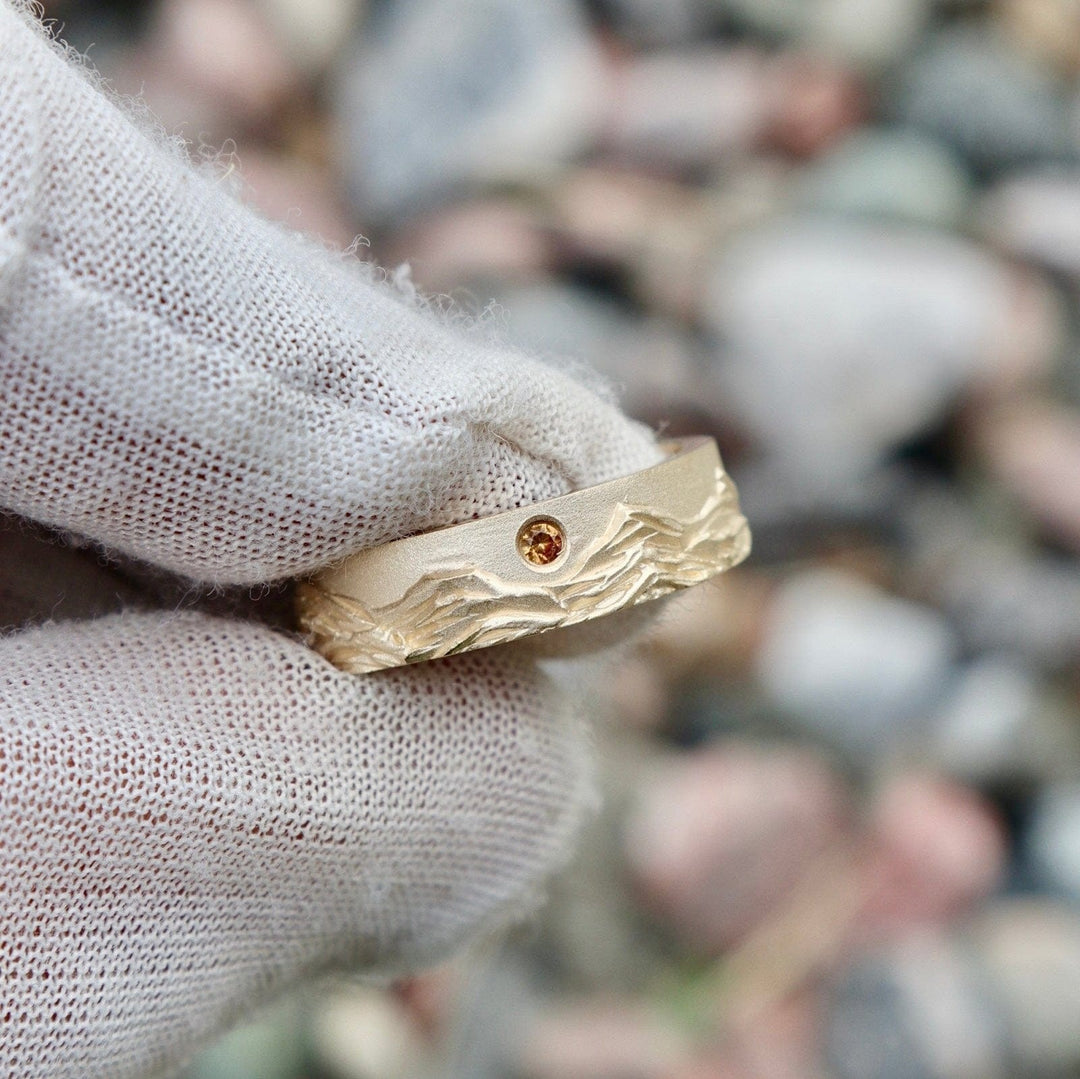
x=541 y=542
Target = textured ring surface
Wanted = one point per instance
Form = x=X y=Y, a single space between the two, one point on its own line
x=555 y=563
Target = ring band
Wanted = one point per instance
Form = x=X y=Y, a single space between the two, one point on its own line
x=555 y=563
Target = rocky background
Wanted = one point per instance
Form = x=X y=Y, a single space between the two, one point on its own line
x=840 y=836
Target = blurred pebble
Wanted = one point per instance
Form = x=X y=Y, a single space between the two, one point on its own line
x=720 y=837
x=689 y=108
x=431 y=998
x=969 y=88
x=653 y=365
x=711 y=632
x=211 y=68
x=478 y=244
x=1037 y=216
x=1031 y=953
x=692 y=108
x=1047 y=30
x=891 y=175
x=296 y=193
x=781 y=1043
x=596 y=934
x=597 y=1038
x=837 y=342
x=984 y=729
x=1002 y=726
x=270 y=1048
x=1001 y=1000
x=657 y=22
x=661 y=234
x=443 y=93
x=856 y=666
x=772 y=17
x=871 y=34
x=1053 y=838
x=312 y=32
x=817 y=100
x=364 y=1033
x=638 y=698
x=1032 y=447
x=936 y=849
x=1003 y=597
x=715 y=1065
x=918 y=1012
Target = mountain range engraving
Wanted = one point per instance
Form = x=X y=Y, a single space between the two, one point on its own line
x=638 y=557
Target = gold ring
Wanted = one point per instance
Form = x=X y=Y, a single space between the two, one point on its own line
x=555 y=563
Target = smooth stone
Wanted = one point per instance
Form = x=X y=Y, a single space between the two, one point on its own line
x=649 y=361
x=837 y=342
x=893 y=175
x=360 y=1031
x=1032 y=446
x=787 y=18
x=660 y=233
x=1003 y=596
x=601 y=1038
x=1048 y=30
x=690 y=108
x=936 y=850
x=313 y=32
x=1000 y=999
x=970 y=89
x=210 y=68
x=1030 y=951
x=991 y=725
x=445 y=95
x=1036 y=215
x=818 y=100
x=720 y=838
x=854 y=665
x=871 y=34
x=473 y=246
x=271 y=1047
x=658 y=22
x=916 y=1011
x=296 y=193
x=1053 y=839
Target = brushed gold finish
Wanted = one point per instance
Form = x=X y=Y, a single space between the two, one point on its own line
x=571 y=558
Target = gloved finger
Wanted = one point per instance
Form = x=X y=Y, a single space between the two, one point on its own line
x=196 y=813
x=192 y=386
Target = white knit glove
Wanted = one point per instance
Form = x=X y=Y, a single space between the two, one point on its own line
x=197 y=812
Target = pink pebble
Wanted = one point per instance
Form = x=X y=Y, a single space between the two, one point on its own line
x=602 y=1038
x=936 y=848
x=718 y=840
x=491 y=240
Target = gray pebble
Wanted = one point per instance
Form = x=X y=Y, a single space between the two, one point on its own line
x=1037 y=216
x=970 y=89
x=837 y=342
x=892 y=175
x=851 y=664
x=440 y=94
x=1054 y=838
x=918 y=1011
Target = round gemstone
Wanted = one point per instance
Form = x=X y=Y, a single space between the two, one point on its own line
x=541 y=542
